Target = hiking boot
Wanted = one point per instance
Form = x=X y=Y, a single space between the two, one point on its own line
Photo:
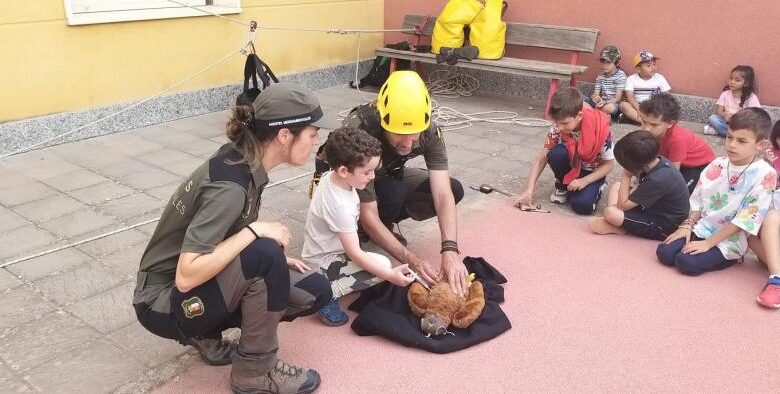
x=770 y=296
x=283 y=379
x=332 y=315
x=213 y=351
x=452 y=55
x=559 y=196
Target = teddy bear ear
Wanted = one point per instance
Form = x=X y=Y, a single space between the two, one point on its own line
x=418 y=299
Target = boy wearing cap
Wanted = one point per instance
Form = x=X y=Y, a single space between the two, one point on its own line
x=610 y=83
x=643 y=84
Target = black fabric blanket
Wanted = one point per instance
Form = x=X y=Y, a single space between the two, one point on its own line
x=384 y=310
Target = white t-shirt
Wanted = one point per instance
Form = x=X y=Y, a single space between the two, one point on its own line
x=731 y=103
x=333 y=210
x=745 y=206
x=644 y=88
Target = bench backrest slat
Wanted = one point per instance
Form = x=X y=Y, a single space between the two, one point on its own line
x=578 y=39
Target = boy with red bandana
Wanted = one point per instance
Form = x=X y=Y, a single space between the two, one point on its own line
x=578 y=149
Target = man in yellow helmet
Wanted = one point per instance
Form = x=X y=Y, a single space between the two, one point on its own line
x=401 y=120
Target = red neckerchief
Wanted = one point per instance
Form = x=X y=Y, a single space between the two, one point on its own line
x=594 y=131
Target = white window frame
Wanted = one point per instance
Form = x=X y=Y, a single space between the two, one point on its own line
x=124 y=15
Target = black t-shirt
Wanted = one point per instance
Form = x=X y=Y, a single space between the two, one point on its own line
x=662 y=192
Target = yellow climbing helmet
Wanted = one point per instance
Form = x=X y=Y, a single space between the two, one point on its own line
x=404 y=104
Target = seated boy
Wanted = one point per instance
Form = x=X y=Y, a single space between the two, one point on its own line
x=608 y=91
x=660 y=201
x=331 y=238
x=579 y=151
x=687 y=151
x=643 y=84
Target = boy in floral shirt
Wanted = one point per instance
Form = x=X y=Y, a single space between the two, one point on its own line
x=729 y=203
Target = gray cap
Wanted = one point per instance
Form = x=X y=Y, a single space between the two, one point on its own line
x=284 y=105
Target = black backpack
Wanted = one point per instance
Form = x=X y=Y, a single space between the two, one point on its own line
x=380 y=70
x=254 y=68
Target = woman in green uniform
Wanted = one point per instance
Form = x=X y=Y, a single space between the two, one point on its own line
x=212 y=265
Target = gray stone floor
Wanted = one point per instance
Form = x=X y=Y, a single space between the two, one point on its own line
x=67 y=324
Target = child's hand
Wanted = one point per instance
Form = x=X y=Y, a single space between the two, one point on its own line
x=577 y=184
x=696 y=247
x=399 y=276
x=524 y=198
x=298 y=265
x=682 y=232
x=276 y=231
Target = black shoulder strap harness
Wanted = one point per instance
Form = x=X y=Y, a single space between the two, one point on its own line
x=254 y=68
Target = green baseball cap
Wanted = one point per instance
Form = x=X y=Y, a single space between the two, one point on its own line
x=285 y=105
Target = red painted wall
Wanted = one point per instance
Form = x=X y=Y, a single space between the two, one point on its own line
x=698 y=41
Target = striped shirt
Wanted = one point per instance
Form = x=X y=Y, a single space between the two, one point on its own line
x=644 y=88
x=609 y=86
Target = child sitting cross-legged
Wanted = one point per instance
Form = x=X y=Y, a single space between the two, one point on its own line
x=331 y=234
x=657 y=205
x=729 y=203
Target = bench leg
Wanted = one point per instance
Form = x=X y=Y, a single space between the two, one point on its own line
x=550 y=92
x=573 y=80
x=392 y=64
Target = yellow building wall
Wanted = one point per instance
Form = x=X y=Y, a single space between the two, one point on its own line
x=48 y=67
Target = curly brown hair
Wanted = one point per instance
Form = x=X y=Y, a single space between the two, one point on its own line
x=350 y=147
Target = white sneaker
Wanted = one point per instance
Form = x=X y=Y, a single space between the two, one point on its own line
x=559 y=196
x=709 y=130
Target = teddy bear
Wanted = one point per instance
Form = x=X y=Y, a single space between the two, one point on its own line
x=440 y=306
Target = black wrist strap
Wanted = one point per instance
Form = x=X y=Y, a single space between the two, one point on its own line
x=449 y=246
x=253 y=232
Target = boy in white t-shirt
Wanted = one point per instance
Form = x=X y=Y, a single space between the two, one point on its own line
x=643 y=84
x=331 y=238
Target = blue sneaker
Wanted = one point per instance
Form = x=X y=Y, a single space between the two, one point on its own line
x=332 y=315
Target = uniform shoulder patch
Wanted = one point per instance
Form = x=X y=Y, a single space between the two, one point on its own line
x=193 y=307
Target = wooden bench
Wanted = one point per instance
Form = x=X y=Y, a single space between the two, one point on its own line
x=574 y=39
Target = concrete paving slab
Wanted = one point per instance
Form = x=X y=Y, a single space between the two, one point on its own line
x=39 y=341
x=123 y=167
x=21 y=305
x=202 y=149
x=127 y=207
x=163 y=193
x=102 y=192
x=10 y=220
x=160 y=158
x=107 y=311
x=48 y=167
x=129 y=144
x=146 y=347
x=11 y=383
x=78 y=179
x=149 y=179
x=78 y=223
x=113 y=243
x=95 y=367
x=79 y=283
x=166 y=136
x=24 y=239
x=127 y=260
x=48 y=208
x=50 y=264
x=21 y=193
x=8 y=281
